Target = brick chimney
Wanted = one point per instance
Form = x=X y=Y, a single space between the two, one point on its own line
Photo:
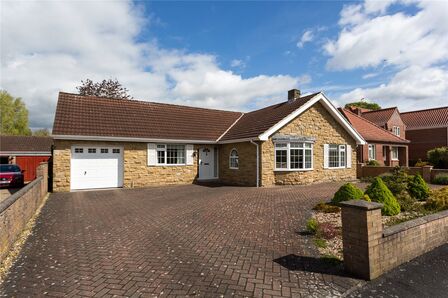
x=293 y=94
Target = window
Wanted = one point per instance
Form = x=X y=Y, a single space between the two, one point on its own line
x=394 y=153
x=372 y=152
x=396 y=130
x=336 y=155
x=91 y=150
x=115 y=150
x=293 y=156
x=170 y=154
x=104 y=150
x=233 y=160
x=79 y=150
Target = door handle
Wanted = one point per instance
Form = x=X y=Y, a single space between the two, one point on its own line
x=85 y=172
x=205 y=163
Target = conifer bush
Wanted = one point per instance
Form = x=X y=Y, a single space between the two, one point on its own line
x=347 y=192
x=378 y=192
x=418 y=188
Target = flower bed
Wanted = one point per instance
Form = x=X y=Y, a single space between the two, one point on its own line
x=404 y=197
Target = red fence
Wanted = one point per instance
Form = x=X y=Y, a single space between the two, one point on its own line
x=29 y=164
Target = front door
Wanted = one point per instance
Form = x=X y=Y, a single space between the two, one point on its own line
x=207 y=163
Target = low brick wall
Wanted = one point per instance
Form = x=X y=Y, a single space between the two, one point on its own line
x=427 y=172
x=19 y=208
x=370 y=251
x=436 y=172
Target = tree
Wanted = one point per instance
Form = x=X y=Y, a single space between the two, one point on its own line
x=14 y=115
x=44 y=132
x=364 y=104
x=107 y=88
x=438 y=157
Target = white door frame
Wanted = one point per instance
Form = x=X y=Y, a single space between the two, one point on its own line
x=209 y=159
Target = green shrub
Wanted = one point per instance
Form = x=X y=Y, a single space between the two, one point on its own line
x=347 y=192
x=441 y=179
x=397 y=181
x=421 y=163
x=366 y=197
x=311 y=225
x=438 y=199
x=378 y=192
x=407 y=203
x=373 y=162
x=438 y=157
x=418 y=188
x=326 y=208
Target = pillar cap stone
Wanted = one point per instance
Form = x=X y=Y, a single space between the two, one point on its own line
x=361 y=204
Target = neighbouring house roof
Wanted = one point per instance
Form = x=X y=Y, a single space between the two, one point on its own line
x=436 y=117
x=12 y=145
x=254 y=123
x=379 y=117
x=370 y=131
x=95 y=116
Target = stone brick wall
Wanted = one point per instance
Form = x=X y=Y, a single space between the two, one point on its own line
x=370 y=251
x=19 y=208
x=136 y=171
x=318 y=123
x=246 y=174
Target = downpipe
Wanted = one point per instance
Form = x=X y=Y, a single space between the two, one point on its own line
x=258 y=162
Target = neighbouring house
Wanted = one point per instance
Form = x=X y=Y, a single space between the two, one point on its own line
x=382 y=145
x=103 y=143
x=26 y=151
x=426 y=129
x=388 y=118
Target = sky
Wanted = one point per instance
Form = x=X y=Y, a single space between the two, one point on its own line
x=227 y=55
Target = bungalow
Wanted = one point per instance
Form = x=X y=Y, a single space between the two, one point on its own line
x=103 y=143
x=382 y=145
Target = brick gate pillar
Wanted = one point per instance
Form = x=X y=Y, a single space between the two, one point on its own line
x=362 y=231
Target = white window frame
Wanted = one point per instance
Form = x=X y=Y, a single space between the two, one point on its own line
x=288 y=149
x=396 y=130
x=340 y=148
x=234 y=157
x=392 y=150
x=164 y=148
x=372 y=152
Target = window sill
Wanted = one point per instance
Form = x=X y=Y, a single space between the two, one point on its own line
x=336 y=168
x=293 y=170
x=233 y=168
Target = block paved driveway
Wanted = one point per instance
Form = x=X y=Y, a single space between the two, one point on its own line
x=180 y=240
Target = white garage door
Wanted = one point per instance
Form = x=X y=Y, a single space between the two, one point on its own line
x=96 y=167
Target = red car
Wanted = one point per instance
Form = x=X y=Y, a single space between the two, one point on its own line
x=11 y=175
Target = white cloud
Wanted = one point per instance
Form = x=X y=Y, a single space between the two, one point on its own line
x=395 y=39
x=50 y=46
x=307 y=36
x=237 y=63
x=412 y=88
x=411 y=44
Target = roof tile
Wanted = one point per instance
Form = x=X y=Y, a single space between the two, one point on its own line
x=370 y=131
x=435 y=117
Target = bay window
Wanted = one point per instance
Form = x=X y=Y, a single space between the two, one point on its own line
x=293 y=156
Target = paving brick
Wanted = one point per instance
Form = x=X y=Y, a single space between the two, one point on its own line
x=167 y=241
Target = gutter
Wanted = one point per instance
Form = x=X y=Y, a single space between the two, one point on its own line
x=258 y=162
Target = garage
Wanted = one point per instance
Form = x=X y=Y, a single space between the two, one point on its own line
x=96 y=167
